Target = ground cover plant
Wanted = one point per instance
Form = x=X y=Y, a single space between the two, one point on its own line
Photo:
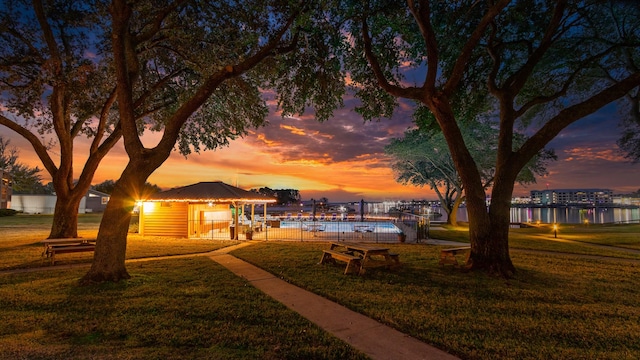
x=188 y=308
x=558 y=306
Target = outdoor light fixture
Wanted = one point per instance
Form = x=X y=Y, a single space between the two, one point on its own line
x=555 y=230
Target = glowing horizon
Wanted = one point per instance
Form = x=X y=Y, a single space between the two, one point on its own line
x=343 y=159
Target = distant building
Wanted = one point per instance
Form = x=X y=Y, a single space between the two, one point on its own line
x=572 y=197
x=626 y=200
x=521 y=200
x=94 y=201
x=5 y=190
x=200 y=210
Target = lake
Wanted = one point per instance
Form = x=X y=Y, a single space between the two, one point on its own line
x=563 y=215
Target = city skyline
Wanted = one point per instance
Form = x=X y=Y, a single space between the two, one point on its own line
x=343 y=159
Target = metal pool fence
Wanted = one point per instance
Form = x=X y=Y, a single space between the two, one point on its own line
x=294 y=230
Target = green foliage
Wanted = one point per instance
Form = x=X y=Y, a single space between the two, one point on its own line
x=25 y=179
x=284 y=196
x=34 y=64
x=8 y=212
x=422 y=158
x=312 y=75
x=107 y=187
x=536 y=66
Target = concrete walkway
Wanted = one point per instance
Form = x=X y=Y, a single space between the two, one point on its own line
x=376 y=340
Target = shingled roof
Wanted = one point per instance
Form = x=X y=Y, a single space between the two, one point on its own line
x=215 y=191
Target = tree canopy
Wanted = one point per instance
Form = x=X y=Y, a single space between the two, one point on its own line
x=194 y=70
x=422 y=158
x=283 y=196
x=25 y=179
x=545 y=65
x=108 y=186
x=57 y=88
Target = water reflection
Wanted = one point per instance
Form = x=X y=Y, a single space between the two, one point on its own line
x=563 y=215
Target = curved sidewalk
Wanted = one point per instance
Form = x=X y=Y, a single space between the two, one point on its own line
x=375 y=339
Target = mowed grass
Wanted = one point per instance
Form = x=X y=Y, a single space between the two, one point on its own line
x=170 y=309
x=189 y=308
x=558 y=306
x=20 y=245
x=612 y=240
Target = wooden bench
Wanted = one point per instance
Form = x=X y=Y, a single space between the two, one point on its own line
x=353 y=261
x=52 y=250
x=448 y=256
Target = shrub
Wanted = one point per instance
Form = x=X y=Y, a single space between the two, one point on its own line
x=8 y=212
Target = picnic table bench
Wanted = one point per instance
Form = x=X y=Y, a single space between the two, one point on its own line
x=448 y=256
x=353 y=261
x=367 y=256
x=62 y=246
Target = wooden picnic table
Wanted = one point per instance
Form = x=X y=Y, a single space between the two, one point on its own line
x=70 y=245
x=370 y=256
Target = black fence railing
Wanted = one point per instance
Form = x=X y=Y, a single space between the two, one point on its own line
x=415 y=226
x=370 y=230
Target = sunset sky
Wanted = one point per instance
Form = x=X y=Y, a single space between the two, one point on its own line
x=343 y=160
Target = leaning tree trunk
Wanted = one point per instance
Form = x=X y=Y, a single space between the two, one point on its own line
x=453 y=212
x=111 y=245
x=489 y=232
x=65 y=216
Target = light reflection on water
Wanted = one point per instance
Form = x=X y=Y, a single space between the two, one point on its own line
x=563 y=215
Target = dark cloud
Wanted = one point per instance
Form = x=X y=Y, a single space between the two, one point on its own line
x=345 y=137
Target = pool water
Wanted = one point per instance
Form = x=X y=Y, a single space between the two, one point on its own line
x=342 y=226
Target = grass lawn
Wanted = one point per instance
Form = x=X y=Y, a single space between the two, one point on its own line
x=558 y=306
x=581 y=238
x=21 y=236
x=170 y=309
x=188 y=308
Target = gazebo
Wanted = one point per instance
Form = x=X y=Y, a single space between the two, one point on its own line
x=199 y=209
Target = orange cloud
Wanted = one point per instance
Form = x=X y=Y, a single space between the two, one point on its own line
x=293 y=129
x=593 y=153
x=267 y=142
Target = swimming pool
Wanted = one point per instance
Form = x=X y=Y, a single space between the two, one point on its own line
x=342 y=226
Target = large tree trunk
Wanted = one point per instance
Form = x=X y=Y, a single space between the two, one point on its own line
x=111 y=245
x=65 y=217
x=489 y=231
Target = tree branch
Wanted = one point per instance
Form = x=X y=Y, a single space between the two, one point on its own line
x=574 y=113
x=517 y=80
x=397 y=91
x=467 y=50
x=39 y=148
x=422 y=18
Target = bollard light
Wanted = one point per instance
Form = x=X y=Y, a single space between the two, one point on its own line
x=555 y=230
